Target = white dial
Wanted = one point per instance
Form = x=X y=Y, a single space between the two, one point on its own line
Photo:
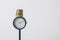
x=19 y=23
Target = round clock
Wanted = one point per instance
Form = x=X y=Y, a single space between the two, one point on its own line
x=19 y=22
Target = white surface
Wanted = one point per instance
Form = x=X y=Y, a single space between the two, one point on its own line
x=43 y=17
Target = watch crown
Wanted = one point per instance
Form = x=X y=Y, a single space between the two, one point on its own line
x=19 y=13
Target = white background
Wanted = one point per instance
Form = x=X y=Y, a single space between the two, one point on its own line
x=43 y=17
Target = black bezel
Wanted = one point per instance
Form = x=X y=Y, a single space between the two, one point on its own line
x=14 y=24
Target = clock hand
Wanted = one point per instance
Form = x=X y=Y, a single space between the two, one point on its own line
x=21 y=22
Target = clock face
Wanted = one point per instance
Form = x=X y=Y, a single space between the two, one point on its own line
x=19 y=22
